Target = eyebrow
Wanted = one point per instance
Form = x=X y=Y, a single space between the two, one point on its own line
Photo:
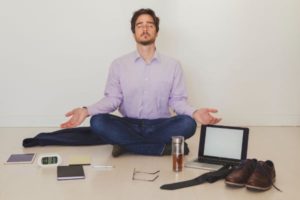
x=148 y=22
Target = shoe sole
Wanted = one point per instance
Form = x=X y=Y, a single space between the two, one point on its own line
x=235 y=184
x=251 y=187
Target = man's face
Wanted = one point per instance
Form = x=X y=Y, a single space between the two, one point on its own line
x=145 y=30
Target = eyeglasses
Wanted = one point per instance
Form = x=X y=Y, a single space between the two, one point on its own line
x=146 y=176
x=147 y=26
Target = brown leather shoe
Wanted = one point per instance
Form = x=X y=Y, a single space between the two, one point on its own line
x=239 y=176
x=263 y=176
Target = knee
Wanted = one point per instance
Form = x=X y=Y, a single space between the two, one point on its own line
x=189 y=125
x=98 y=122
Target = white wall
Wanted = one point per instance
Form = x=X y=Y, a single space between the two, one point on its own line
x=240 y=56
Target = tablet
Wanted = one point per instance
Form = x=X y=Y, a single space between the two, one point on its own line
x=21 y=158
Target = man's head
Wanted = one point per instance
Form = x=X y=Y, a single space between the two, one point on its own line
x=145 y=26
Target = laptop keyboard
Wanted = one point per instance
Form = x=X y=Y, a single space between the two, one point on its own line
x=218 y=161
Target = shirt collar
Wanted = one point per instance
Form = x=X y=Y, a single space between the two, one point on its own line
x=137 y=56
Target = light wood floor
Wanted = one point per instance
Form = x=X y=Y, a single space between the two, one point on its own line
x=28 y=181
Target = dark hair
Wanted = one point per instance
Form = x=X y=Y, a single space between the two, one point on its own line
x=144 y=11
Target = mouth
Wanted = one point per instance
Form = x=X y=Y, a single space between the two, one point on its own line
x=145 y=34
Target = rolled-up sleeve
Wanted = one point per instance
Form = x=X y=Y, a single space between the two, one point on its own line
x=112 y=95
x=178 y=99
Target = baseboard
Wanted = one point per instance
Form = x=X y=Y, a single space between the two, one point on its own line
x=246 y=120
x=34 y=121
x=261 y=120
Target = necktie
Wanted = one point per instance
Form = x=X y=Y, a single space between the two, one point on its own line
x=210 y=177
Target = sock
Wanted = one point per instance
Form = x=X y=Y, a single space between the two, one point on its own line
x=117 y=151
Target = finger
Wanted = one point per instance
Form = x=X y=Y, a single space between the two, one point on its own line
x=218 y=120
x=207 y=120
x=70 y=123
x=213 y=110
x=214 y=121
x=65 y=125
x=68 y=114
x=211 y=121
x=74 y=120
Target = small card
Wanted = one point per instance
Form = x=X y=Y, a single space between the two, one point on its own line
x=21 y=158
x=80 y=160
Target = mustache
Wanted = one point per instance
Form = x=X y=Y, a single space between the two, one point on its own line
x=145 y=33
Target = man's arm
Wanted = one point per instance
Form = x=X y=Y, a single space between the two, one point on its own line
x=113 y=95
x=111 y=101
x=178 y=102
x=178 y=95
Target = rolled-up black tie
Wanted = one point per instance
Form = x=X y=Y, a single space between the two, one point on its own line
x=210 y=177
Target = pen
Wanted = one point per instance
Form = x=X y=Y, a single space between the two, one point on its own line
x=103 y=166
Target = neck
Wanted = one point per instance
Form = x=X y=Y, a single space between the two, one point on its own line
x=147 y=52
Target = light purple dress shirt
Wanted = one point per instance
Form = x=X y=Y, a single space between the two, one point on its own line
x=144 y=90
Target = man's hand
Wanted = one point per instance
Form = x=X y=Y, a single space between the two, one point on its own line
x=204 y=116
x=78 y=115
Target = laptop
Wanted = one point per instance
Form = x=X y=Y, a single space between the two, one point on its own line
x=219 y=146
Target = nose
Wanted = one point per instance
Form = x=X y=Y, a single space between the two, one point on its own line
x=145 y=31
x=145 y=27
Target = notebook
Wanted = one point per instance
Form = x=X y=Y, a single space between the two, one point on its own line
x=219 y=146
x=80 y=160
x=70 y=172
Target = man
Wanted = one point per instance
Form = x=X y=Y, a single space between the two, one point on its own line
x=143 y=85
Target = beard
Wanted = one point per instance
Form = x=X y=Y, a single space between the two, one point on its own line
x=145 y=42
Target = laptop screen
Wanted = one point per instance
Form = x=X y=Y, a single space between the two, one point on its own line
x=223 y=142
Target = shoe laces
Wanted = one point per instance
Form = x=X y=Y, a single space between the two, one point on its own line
x=262 y=169
x=251 y=167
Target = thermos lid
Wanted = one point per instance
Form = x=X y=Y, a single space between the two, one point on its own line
x=177 y=139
